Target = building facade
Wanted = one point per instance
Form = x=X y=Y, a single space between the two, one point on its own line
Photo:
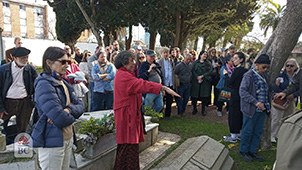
x=23 y=19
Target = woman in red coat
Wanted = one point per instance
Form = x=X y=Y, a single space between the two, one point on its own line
x=127 y=103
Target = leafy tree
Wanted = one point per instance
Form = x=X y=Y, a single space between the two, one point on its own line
x=70 y=21
x=272 y=16
x=110 y=16
x=232 y=23
x=203 y=18
x=257 y=45
x=235 y=33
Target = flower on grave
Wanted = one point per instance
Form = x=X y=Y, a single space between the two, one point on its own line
x=89 y=140
x=97 y=128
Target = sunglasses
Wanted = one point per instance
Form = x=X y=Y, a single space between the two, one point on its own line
x=290 y=65
x=265 y=67
x=63 y=62
x=142 y=58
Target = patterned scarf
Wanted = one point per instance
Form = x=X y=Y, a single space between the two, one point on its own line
x=103 y=67
x=261 y=89
x=230 y=69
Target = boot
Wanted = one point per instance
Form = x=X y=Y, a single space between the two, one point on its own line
x=194 y=111
x=203 y=112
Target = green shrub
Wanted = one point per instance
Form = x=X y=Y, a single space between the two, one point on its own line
x=155 y=116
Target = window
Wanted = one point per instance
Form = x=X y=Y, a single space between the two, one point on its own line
x=5 y=4
x=39 y=31
x=22 y=7
x=23 y=27
x=6 y=19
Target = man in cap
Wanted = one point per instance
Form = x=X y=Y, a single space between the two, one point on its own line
x=138 y=49
x=151 y=71
x=232 y=51
x=8 y=53
x=255 y=105
x=16 y=89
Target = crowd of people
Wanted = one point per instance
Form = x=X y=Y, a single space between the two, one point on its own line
x=109 y=78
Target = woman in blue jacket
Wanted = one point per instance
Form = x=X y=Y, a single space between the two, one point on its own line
x=58 y=108
x=225 y=74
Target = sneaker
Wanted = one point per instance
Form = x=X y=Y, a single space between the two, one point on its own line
x=219 y=113
x=256 y=157
x=273 y=140
x=229 y=139
x=238 y=138
x=246 y=157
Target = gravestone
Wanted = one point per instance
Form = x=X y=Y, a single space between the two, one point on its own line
x=2 y=142
x=199 y=153
x=105 y=150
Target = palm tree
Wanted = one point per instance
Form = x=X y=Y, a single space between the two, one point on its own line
x=272 y=17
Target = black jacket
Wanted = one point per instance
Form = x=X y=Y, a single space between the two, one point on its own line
x=6 y=80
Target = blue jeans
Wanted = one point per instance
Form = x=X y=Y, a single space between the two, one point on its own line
x=91 y=87
x=101 y=99
x=184 y=92
x=156 y=99
x=251 y=132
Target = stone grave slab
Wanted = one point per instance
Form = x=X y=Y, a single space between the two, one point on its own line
x=200 y=153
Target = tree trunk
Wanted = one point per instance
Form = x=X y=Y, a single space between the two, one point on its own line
x=106 y=38
x=152 y=40
x=114 y=34
x=204 y=43
x=184 y=45
x=184 y=33
x=212 y=44
x=178 y=28
x=71 y=45
x=129 y=40
x=94 y=29
x=195 y=44
x=279 y=47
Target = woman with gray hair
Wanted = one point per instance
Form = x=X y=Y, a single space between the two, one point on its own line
x=285 y=78
x=127 y=110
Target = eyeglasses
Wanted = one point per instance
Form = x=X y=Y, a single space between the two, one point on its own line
x=290 y=65
x=141 y=57
x=265 y=67
x=63 y=62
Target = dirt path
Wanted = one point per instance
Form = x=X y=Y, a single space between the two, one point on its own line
x=211 y=113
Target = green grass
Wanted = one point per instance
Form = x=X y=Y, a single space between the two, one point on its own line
x=189 y=127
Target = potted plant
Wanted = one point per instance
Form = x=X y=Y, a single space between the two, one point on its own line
x=96 y=130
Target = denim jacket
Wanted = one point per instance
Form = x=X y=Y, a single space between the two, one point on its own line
x=99 y=84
